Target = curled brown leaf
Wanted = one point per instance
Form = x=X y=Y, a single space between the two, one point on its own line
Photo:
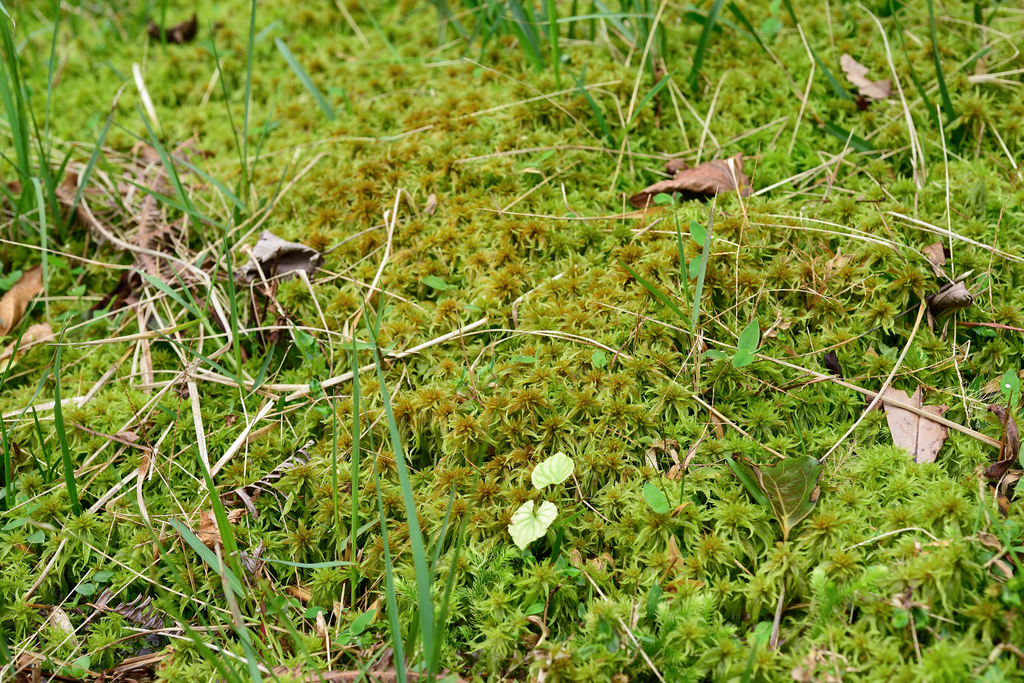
x=831 y=361
x=15 y=302
x=856 y=73
x=179 y=34
x=1011 y=438
x=950 y=297
x=702 y=182
x=936 y=255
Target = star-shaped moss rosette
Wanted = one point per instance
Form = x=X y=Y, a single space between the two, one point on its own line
x=531 y=521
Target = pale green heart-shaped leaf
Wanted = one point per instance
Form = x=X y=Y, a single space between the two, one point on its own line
x=656 y=499
x=554 y=470
x=742 y=359
x=529 y=524
x=750 y=336
x=792 y=488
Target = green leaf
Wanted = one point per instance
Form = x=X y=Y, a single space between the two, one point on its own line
x=435 y=282
x=716 y=354
x=750 y=336
x=859 y=144
x=791 y=486
x=524 y=359
x=554 y=470
x=653 y=598
x=655 y=292
x=900 y=618
x=86 y=589
x=662 y=199
x=702 y=42
x=103 y=576
x=697 y=233
x=360 y=623
x=748 y=482
x=656 y=499
x=529 y=524
x=743 y=358
x=21 y=521
x=1010 y=384
x=36 y=536
x=312 y=611
x=598 y=359
x=651 y=93
x=535 y=608
x=206 y=554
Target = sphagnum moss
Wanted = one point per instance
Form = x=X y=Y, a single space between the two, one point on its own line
x=891 y=578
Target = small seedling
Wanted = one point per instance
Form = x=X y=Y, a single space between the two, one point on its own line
x=746 y=346
x=529 y=523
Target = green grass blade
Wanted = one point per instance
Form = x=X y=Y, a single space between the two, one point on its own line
x=523 y=28
x=748 y=483
x=166 y=289
x=704 y=255
x=913 y=73
x=356 y=429
x=702 y=42
x=389 y=580
x=62 y=438
x=655 y=292
x=91 y=164
x=837 y=87
x=840 y=133
x=206 y=554
x=305 y=79
x=556 y=56
x=943 y=91
x=248 y=99
x=650 y=95
x=419 y=554
x=581 y=84
x=740 y=17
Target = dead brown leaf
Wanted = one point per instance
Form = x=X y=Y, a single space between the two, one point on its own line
x=950 y=297
x=302 y=594
x=936 y=255
x=856 y=73
x=275 y=256
x=16 y=300
x=35 y=334
x=998 y=469
x=831 y=361
x=1010 y=448
x=431 y=204
x=208 y=532
x=918 y=435
x=179 y=34
x=702 y=182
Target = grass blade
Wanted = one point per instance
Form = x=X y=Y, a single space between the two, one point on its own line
x=581 y=84
x=840 y=133
x=356 y=429
x=943 y=91
x=419 y=554
x=62 y=438
x=650 y=95
x=655 y=292
x=752 y=488
x=837 y=87
x=913 y=73
x=556 y=57
x=704 y=255
x=206 y=554
x=702 y=43
x=305 y=79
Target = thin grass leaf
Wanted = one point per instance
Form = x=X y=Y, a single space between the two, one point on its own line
x=748 y=483
x=172 y=172
x=308 y=565
x=754 y=35
x=304 y=78
x=216 y=366
x=581 y=83
x=655 y=292
x=704 y=255
x=380 y=32
x=522 y=25
x=389 y=580
x=614 y=20
x=650 y=95
x=840 y=133
x=227 y=537
x=947 y=103
x=166 y=289
x=83 y=179
x=913 y=73
x=837 y=87
x=248 y=101
x=62 y=438
x=556 y=56
x=356 y=429
x=426 y=605
x=702 y=42
x=205 y=553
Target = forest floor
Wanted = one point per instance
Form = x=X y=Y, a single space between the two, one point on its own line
x=476 y=403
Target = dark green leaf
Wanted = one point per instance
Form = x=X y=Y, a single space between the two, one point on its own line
x=791 y=487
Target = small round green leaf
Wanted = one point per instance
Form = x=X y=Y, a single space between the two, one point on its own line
x=662 y=199
x=435 y=282
x=742 y=359
x=750 y=336
x=529 y=524
x=656 y=499
x=598 y=359
x=554 y=470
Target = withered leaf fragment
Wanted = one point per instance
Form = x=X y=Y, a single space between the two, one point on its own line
x=179 y=34
x=276 y=256
x=702 y=182
x=856 y=73
x=15 y=302
x=936 y=255
x=950 y=297
x=831 y=361
x=208 y=531
x=918 y=435
x=1011 y=439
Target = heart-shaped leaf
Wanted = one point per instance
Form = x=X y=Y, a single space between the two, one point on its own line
x=791 y=486
x=529 y=524
x=656 y=499
x=749 y=337
x=742 y=359
x=554 y=470
x=697 y=232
